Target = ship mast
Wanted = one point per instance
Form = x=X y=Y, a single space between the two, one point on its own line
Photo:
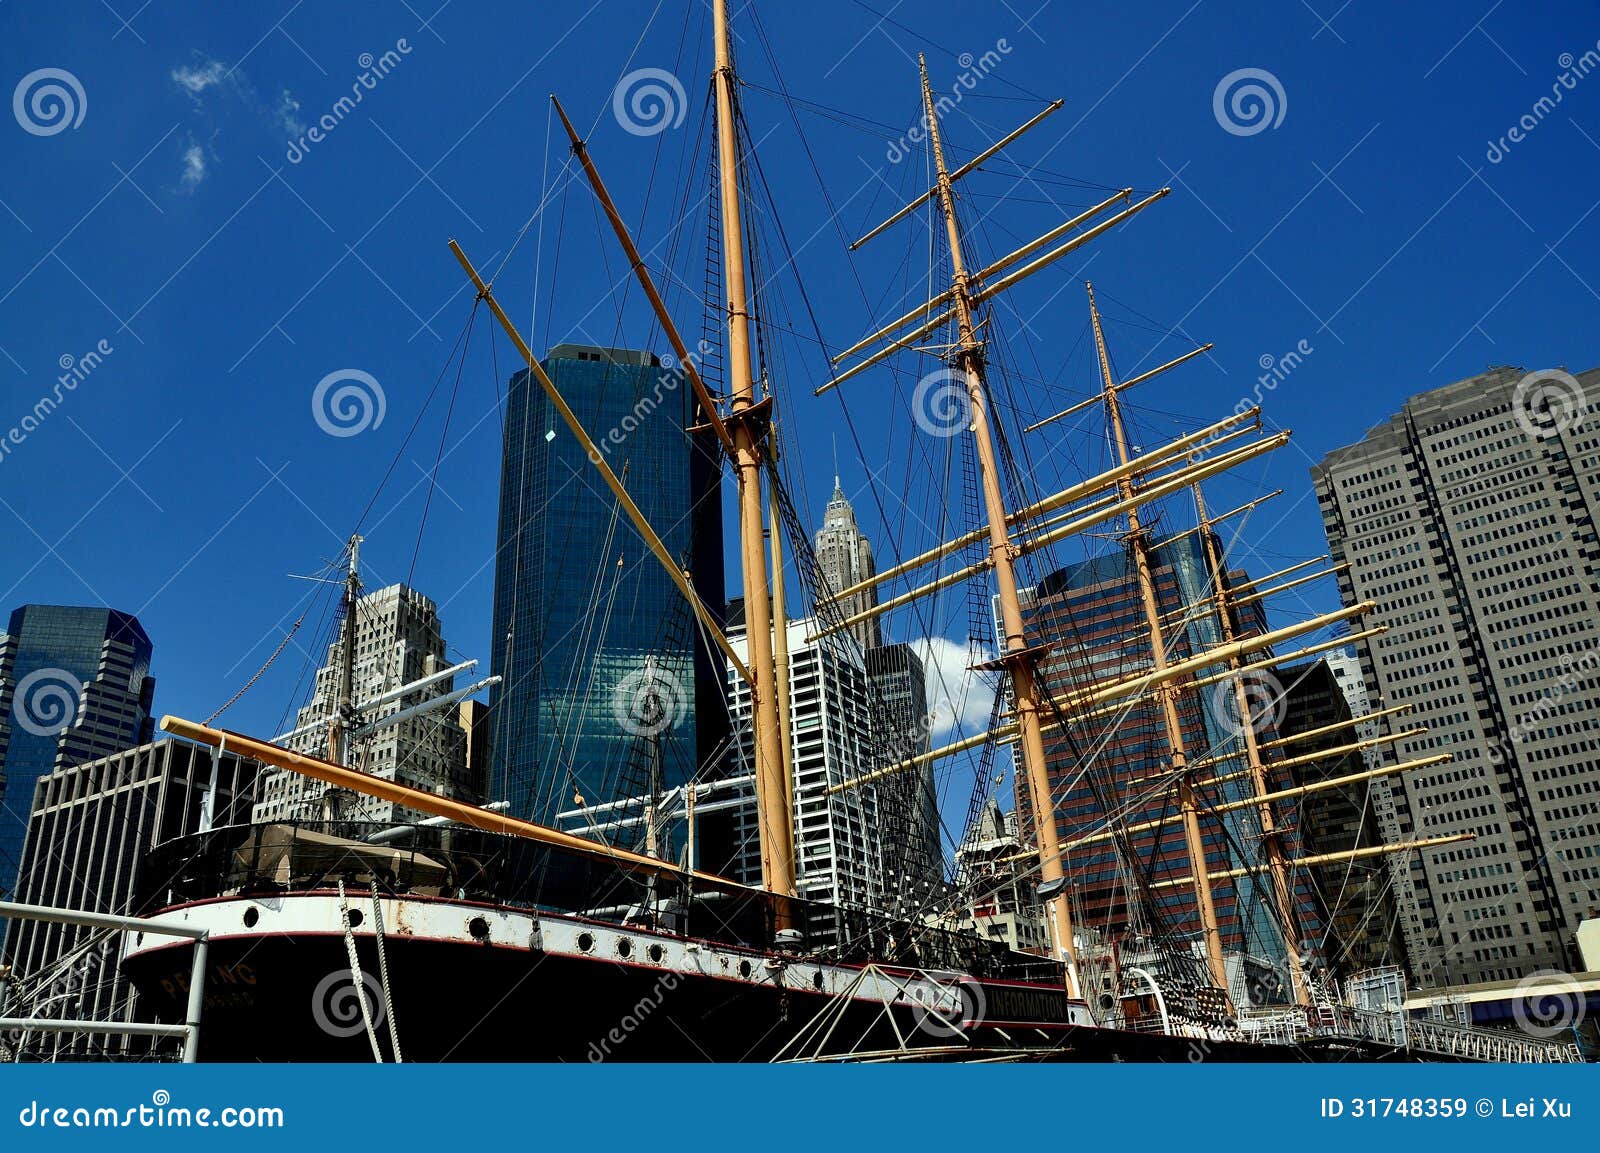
x=1166 y=693
x=1272 y=840
x=748 y=423
x=968 y=362
x=344 y=702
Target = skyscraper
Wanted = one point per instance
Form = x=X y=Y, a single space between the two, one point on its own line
x=1469 y=517
x=1090 y=614
x=839 y=847
x=588 y=629
x=1356 y=895
x=398 y=640
x=75 y=684
x=844 y=559
x=898 y=700
x=899 y=690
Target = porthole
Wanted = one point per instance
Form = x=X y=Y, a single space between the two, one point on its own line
x=353 y=918
x=817 y=981
x=656 y=954
x=585 y=942
x=624 y=948
x=251 y=916
x=479 y=928
x=744 y=969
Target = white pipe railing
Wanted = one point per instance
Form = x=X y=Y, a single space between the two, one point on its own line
x=189 y=1030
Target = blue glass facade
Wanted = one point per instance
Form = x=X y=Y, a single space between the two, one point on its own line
x=85 y=693
x=586 y=622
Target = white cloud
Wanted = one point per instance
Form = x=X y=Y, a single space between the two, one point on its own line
x=958 y=698
x=194 y=165
x=195 y=79
x=287 y=114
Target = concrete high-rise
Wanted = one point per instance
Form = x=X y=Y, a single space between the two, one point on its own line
x=901 y=726
x=75 y=684
x=588 y=628
x=997 y=881
x=398 y=640
x=839 y=846
x=1469 y=518
x=89 y=841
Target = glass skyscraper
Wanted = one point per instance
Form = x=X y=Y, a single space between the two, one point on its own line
x=75 y=685
x=606 y=688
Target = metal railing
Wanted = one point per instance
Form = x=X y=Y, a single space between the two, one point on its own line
x=1487 y=1044
x=189 y=1030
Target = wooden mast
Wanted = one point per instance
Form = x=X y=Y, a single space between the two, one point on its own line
x=344 y=692
x=1272 y=840
x=780 y=636
x=1166 y=693
x=747 y=422
x=968 y=362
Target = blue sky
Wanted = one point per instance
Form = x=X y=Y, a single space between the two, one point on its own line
x=229 y=270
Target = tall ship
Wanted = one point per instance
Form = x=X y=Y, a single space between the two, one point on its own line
x=471 y=932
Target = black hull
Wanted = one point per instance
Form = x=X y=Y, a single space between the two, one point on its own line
x=289 y=998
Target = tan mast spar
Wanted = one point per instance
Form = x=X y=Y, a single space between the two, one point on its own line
x=1327 y=784
x=687 y=363
x=1202 y=440
x=1046 y=533
x=1018 y=662
x=434 y=804
x=1272 y=840
x=640 y=522
x=780 y=630
x=1166 y=693
x=686 y=359
x=1098 y=694
x=748 y=424
x=1341 y=855
x=344 y=702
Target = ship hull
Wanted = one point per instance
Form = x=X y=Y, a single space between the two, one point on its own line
x=471 y=982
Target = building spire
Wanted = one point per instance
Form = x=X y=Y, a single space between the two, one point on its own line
x=844 y=559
